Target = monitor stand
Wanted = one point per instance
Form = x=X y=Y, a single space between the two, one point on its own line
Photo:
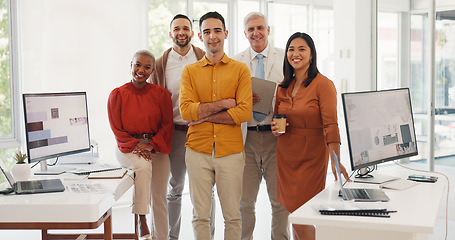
x=364 y=177
x=50 y=171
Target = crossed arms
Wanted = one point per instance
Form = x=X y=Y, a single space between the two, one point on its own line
x=215 y=112
x=233 y=107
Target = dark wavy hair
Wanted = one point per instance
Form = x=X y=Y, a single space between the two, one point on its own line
x=288 y=70
x=208 y=15
x=183 y=17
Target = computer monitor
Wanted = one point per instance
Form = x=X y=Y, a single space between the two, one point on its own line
x=56 y=124
x=380 y=128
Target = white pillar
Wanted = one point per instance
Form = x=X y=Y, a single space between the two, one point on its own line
x=355 y=45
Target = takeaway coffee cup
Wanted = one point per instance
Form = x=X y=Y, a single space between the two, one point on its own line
x=280 y=122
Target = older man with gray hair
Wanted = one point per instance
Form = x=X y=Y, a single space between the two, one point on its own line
x=265 y=62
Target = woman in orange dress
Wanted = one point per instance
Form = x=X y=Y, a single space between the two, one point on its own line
x=309 y=101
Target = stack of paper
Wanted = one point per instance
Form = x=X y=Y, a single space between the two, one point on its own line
x=118 y=173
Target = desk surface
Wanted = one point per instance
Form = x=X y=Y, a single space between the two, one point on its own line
x=417 y=207
x=64 y=206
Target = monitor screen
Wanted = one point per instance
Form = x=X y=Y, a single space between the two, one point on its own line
x=379 y=126
x=56 y=124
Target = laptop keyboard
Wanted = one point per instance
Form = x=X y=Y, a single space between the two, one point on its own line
x=31 y=185
x=356 y=193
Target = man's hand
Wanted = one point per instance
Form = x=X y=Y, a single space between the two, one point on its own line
x=210 y=108
x=256 y=98
x=229 y=103
x=191 y=123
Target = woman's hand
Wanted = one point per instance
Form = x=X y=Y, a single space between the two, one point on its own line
x=274 y=128
x=335 y=148
x=342 y=170
x=143 y=150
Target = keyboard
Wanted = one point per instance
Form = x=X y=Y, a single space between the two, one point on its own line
x=356 y=193
x=31 y=185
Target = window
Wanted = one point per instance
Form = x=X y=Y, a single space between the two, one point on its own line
x=200 y=8
x=247 y=7
x=162 y=12
x=284 y=20
x=160 y=16
x=6 y=126
x=387 y=55
x=444 y=84
x=8 y=134
x=323 y=36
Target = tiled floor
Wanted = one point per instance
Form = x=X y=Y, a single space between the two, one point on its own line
x=123 y=220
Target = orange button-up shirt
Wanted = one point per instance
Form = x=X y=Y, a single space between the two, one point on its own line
x=204 y=82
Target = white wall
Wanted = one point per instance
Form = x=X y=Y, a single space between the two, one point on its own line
x=353 y=36
x=423 y=5
x=81 y=45
x=393 y=5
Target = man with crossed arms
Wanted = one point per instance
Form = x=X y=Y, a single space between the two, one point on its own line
x=216 y=97
x=167 y=74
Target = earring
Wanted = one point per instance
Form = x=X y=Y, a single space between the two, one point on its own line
x=311 y=61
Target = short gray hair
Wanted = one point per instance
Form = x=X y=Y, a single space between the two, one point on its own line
x=146 y=53
x=254 y=15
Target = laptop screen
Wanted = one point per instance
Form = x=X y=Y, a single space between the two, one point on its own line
x=8 y=175
x=340 y=180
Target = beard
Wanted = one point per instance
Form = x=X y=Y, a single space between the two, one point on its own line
x=187 y=41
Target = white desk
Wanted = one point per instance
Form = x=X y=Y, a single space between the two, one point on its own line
x=65 y=210
x=417 y=211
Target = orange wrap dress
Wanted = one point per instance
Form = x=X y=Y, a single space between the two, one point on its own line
x=302 y=153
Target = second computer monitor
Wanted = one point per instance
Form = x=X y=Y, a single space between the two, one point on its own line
x=380 y=126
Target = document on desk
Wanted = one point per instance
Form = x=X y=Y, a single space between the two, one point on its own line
x=101 y=168
x=118 y=173
x=265 y=89
x=87 y=188
x=399 y=184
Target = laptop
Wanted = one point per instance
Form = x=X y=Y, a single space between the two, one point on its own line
x=358 y=194
x=28 y=187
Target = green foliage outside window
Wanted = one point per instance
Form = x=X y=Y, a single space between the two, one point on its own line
x=160 y=16
x=5 y=83
x=5 y=86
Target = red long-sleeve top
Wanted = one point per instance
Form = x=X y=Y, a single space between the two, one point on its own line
x=137 y=111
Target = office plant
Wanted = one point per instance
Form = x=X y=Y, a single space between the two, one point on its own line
x=21 y=170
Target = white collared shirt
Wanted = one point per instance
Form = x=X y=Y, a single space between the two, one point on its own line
x=174 y=69
x=254 y=61
x=253 y=65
